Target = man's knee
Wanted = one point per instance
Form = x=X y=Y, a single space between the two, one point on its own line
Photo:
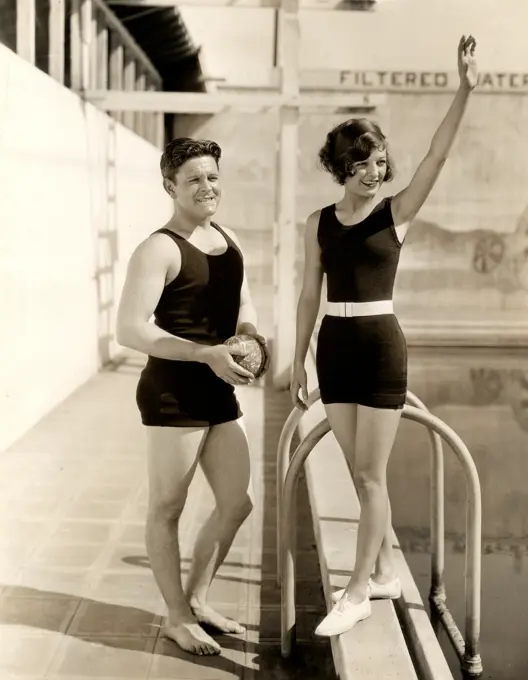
x=166 y=510
x=235 y=509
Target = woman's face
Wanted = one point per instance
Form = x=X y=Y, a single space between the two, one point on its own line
x=368 y=175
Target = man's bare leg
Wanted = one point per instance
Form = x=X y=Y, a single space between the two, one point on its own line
x=226 y=465
x=173 y=454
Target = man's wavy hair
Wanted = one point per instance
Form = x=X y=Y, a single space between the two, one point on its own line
x=351 y=142
x=182 y=149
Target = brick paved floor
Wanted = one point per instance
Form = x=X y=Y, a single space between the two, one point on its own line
x=77 y=597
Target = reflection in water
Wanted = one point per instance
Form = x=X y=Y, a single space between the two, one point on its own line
x=483 y=396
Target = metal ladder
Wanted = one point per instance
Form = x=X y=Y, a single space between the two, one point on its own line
x=288 y=471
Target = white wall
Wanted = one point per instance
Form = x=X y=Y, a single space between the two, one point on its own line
x=446 y=290
x=64 y=246
x=419 y=35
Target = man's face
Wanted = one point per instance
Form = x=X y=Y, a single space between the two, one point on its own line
x=196 y=188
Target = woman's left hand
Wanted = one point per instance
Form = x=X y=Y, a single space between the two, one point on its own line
x=467 y=63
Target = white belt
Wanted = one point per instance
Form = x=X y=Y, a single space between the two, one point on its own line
x=359 y=308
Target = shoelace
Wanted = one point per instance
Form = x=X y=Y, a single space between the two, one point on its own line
x=343 y=606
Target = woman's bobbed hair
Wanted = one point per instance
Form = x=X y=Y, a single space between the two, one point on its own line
x=351 y=142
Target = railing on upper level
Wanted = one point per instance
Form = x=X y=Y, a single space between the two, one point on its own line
x=83 y=45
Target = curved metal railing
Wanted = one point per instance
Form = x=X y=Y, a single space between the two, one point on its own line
x=287 y=477
x=283 y=460
x=437 y=487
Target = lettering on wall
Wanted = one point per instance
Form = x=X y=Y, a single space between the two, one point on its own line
x=432 y=81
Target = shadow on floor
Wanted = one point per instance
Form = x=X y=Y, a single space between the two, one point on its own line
x=94 y=634
x=123 y=625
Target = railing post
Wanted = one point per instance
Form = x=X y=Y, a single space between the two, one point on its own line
x=288 y=528
x=471 y=661
x=117 y=66
x=26 y=29
x=283 y=461
x=102 y=61
x=467 y=647
x=86 y=44
x=150 y=117
x=436 y=508
x=141 y=86
x=75 y=46
x=93 y=49
x=130 y=85
x=57 y=33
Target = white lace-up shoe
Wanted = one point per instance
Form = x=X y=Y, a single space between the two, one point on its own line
x=377 y=591
x=343 y=616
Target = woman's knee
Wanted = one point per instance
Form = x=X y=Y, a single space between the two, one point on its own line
x=370 y=482
x=235 y=509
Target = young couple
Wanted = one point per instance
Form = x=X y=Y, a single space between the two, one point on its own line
x=190 y=276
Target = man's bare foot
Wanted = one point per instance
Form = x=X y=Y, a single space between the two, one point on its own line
x=208 y=616
x=191 y=637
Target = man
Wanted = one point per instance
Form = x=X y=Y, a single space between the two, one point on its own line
x=190 y=276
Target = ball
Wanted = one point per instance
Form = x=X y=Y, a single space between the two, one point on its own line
x=255 y=359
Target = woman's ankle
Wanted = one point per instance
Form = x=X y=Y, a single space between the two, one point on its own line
x=384 y=574
x=357 y=590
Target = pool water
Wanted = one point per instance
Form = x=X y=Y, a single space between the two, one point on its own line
x=483 y=396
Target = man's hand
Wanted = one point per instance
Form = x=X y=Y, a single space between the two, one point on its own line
x=267 y=355
x=220 y=361
x=249 y=329
x=264 y=344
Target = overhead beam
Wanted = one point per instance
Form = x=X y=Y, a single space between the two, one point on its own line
x=216 y=102
x=353 y=5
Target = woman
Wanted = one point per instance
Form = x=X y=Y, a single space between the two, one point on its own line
x=361 y=352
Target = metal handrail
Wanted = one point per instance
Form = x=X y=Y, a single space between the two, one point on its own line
x=437 y=524
x=437 y=488
x=468 y=649
x=283 y=460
